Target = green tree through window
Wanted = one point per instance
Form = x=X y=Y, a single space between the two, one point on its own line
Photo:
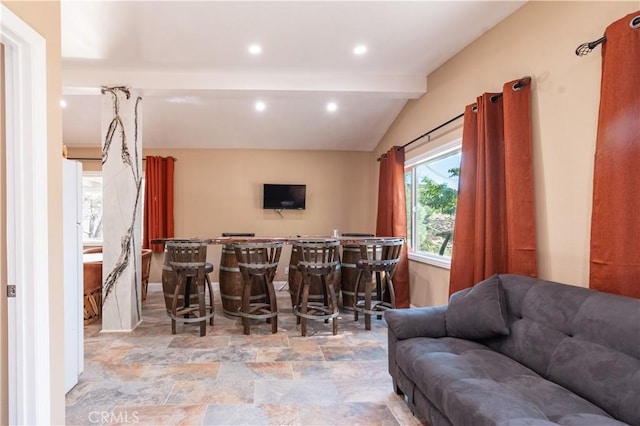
x=432 y=190
x=439 y=202
x=92 y=207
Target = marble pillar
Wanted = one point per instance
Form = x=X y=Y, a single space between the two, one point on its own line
x=122 y=203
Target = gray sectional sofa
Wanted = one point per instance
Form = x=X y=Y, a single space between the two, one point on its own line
x=515 y=350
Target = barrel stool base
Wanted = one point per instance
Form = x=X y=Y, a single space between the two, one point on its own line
x=350 y=257
x=231 y=282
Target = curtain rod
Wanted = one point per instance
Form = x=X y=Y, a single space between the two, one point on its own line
x=429 y=132
x=586 y=48
x=98 y=159
x=516 y=86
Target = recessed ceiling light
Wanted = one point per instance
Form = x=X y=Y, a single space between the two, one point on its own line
x=63 y=103
x=360 y=49
x=332 y=106
x=255 y=49
x=260 y=106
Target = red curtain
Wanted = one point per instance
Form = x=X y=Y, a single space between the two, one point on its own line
x=392 y=216
x=615 y=221
x=158 y=201
x=494 y=231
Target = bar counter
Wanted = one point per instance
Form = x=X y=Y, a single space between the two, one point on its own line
x=231 y=281
x=349 y=241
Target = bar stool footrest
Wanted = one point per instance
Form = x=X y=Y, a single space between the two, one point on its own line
x=258 y=316
x=377 y=307
x=316 y=313
x=179 y=317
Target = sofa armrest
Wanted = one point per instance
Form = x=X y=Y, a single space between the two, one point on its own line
x=417 y=322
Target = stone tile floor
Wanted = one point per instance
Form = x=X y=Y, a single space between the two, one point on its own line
x=151 y=377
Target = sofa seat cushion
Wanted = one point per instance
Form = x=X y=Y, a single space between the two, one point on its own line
x=409 y=351
x=412 y=349
x=517 y=401
x=472 y=384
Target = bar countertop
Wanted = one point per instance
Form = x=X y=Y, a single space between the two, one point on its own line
x=284 y=240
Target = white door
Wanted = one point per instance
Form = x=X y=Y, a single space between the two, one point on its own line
x=27 y=222
x=72 y=271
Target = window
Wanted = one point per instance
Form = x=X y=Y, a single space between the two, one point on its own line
x=92 y=208
x=431 y=185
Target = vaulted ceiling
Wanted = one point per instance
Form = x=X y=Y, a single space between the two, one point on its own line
x=192 y=65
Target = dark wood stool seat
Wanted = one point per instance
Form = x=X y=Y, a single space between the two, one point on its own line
x=317 y=264
x=258 y=263
x=188 y=260
x=380 y=258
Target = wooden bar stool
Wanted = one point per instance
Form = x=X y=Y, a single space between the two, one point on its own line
x=230 y=278
x=380 y=258
x=188 y=261
x=350 y=256
x=295 y=277
x=318 y=266
x=258 y=263
x=170 y=282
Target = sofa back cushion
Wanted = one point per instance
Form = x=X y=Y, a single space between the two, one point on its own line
x=478 y=312
x=584 y=340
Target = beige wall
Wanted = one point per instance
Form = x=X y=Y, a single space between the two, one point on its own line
x=220 y=191
x=538 y=40
x=44 y=17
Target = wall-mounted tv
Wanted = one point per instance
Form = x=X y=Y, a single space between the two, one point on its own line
x=284 y=196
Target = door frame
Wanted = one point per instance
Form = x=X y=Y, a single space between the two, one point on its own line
x=27 y=254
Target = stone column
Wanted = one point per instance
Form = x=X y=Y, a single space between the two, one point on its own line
x=121 y=205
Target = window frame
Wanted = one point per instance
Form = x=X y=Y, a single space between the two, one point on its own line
x=98 y=173
x=93 y=242
x=409 y=167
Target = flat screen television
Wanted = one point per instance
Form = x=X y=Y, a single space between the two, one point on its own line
x=284 y=196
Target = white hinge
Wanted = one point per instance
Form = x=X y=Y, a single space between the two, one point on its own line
x=11 y=290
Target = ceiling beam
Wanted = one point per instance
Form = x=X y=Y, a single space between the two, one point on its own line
x=159 y=83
